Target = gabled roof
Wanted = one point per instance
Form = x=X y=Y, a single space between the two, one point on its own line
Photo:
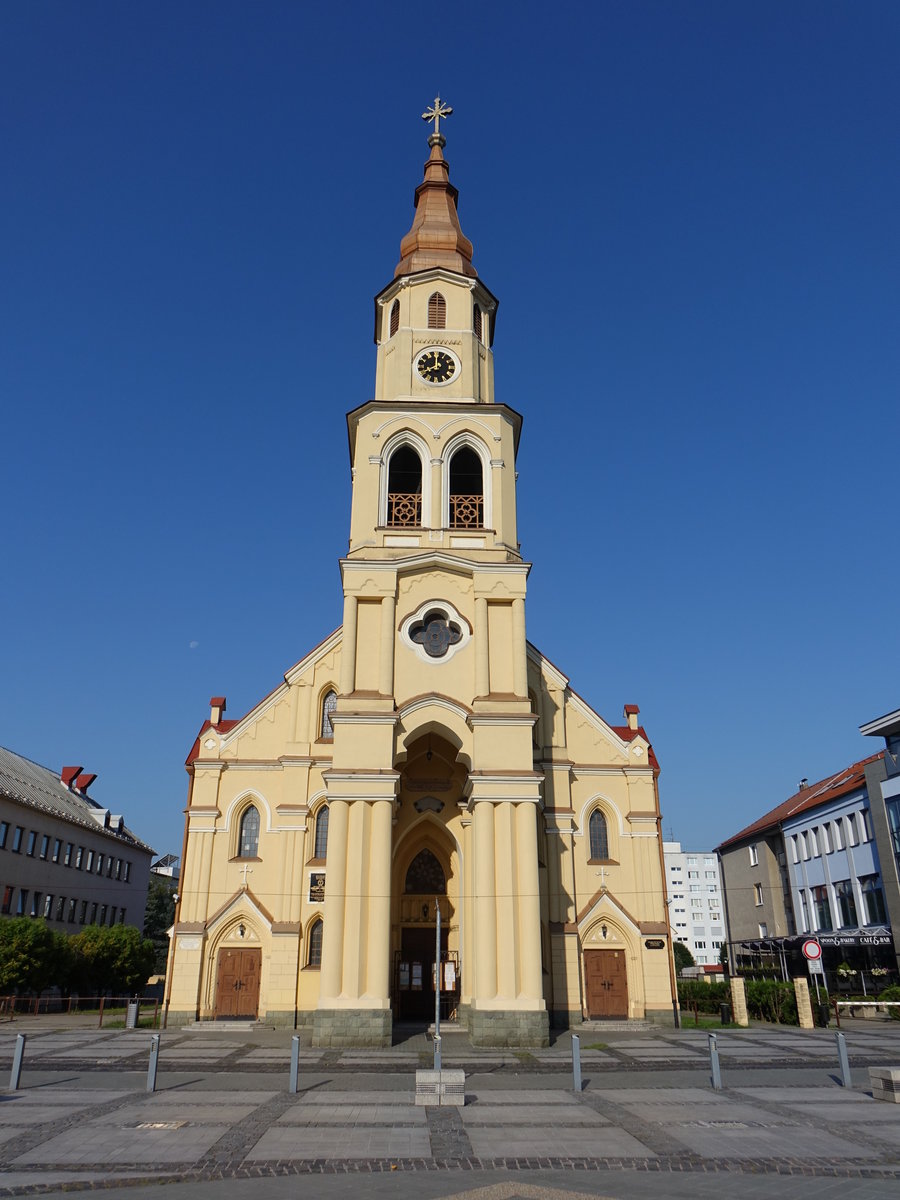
x=850 y=779
x=39 y=788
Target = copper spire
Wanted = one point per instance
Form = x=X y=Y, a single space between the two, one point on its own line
x=435 y=239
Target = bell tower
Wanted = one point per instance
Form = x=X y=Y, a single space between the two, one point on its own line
x=433 y=647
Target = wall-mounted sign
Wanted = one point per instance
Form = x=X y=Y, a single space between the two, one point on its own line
x=655 y=944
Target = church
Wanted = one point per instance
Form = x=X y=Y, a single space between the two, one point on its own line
x=425 y=767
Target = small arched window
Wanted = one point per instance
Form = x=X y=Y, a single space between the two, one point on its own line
x=329 y=704
x=320 y=847
x=395 y=317
x=599 y=835
x=314 y=947
x=466 y=490
x=404 y=502
x=437 y=311
x=248 y=842
x=476 y=323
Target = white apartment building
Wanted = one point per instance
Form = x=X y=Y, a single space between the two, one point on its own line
x=696 y=913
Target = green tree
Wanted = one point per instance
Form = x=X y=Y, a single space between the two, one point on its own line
x=116 y=959
x=158 y=918
x=32 y=956
x=683 y=956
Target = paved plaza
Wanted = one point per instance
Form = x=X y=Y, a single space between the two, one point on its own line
x=647 y=1120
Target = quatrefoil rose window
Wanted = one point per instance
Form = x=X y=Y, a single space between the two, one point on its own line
x=435 y=631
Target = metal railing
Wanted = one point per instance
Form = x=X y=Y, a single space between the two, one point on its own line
x=404 y=509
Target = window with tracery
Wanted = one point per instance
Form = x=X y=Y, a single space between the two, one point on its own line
x=321 y=841
x=404 y=502
x=425 y=876
x=248 y=839
x=437 y=311
x=314 y=948
x=329 y=704
x=466 y=490
x=599 y=835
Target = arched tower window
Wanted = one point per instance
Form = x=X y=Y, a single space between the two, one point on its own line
x=425 y=876
x=599 y=836
x=395 y=317
x=476 y=323
x=320 y=847
x=248 y=839
x=437 y=311
x=466 y=490
x=404 y=506
x=314 y=945
x=329 y=704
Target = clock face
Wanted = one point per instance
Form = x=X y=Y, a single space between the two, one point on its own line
x=436 y=366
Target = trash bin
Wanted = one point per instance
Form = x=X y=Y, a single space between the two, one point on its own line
x=725 y=1013
x=824 y=1013
x=131 y=1014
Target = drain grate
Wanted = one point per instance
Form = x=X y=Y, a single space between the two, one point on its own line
x=161 y=1125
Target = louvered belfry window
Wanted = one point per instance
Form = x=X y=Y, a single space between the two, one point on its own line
x=476 y=323
x=437 y=311
x=395 y=317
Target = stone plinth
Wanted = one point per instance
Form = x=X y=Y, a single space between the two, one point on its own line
x=441 y=1087
x=885 y=1083
x=739 y=1002
x=352 y=1027
x=804 y=1007
x=501 y=1027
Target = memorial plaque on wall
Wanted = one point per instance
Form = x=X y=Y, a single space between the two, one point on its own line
x=317 y=887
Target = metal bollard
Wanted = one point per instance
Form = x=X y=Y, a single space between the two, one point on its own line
x=17 y=1062
x=714 y=1063
x=295 y=1063
x=154 y=1063
x=576 y=1062
x=843 y=1059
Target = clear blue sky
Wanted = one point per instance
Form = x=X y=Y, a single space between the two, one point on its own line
x=689 y=212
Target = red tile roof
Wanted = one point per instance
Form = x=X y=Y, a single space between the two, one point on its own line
x=840 y=784
x=222 y=727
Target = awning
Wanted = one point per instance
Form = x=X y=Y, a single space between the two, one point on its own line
x=855 y=937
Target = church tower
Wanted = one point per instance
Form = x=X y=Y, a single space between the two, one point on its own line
x=425 y=755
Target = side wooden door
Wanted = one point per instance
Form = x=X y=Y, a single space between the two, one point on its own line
x=237 y=983
x=605 y=984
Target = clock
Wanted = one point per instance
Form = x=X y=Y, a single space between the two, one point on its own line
x=436 y=366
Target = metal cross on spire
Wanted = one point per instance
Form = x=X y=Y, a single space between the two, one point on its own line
x=435 y=112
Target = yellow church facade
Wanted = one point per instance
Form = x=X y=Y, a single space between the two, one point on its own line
x=425 y=754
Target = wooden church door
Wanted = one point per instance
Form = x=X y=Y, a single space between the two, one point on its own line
x=237 y=983
x=605 y=983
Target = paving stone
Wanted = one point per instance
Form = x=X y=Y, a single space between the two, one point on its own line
x=766 y=1142
x=540 y=1142
x=353 y=1114
x=292 y=1143
x=524 y=1114
x=100 y=1146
